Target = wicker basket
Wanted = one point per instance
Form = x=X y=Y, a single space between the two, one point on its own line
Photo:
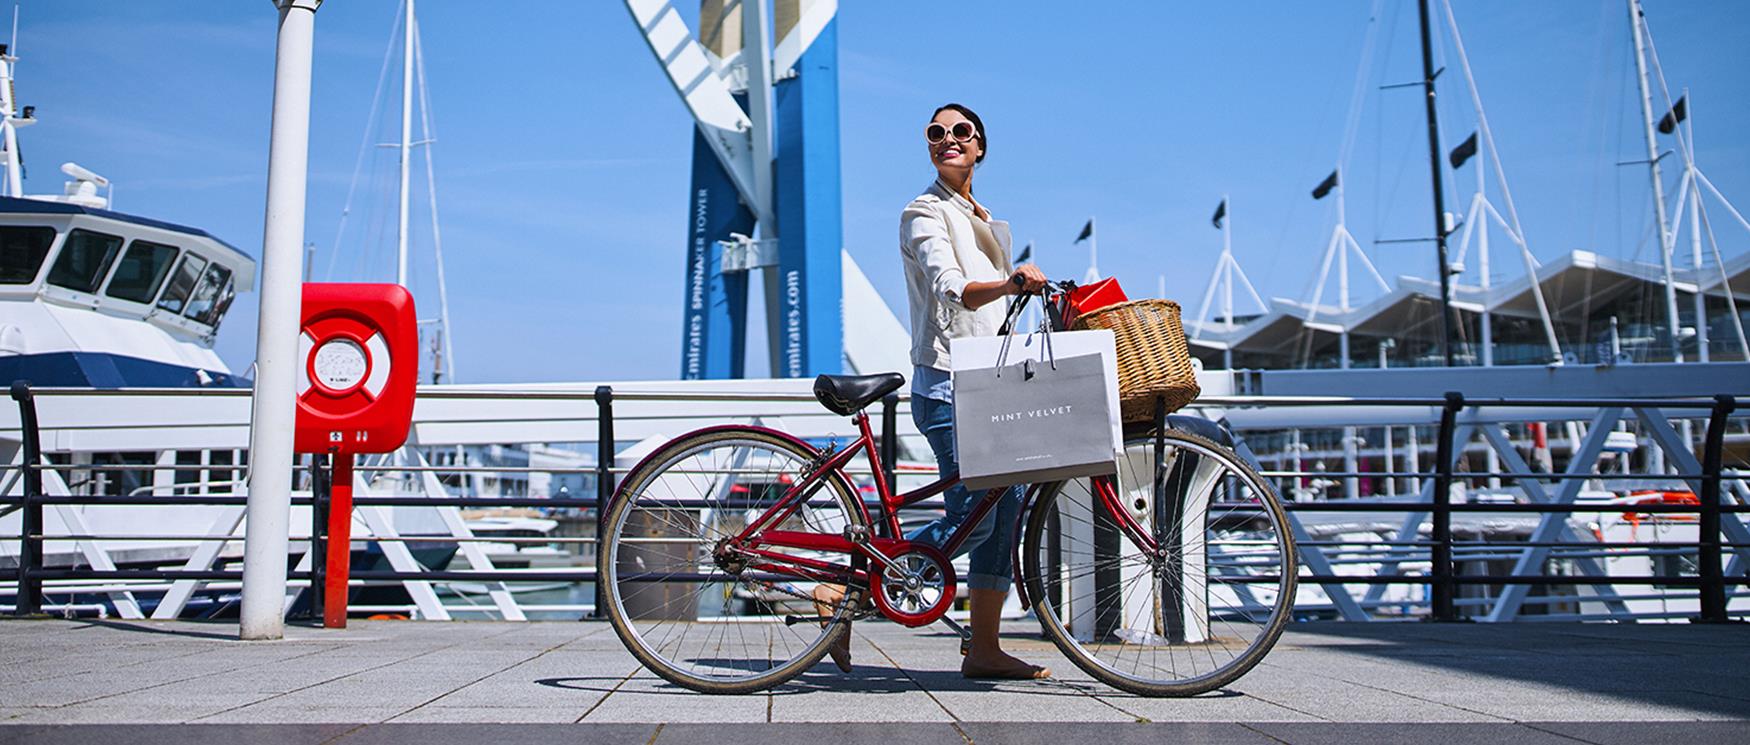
x=1153 y=357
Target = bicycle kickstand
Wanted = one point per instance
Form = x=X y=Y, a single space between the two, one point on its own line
x=965 y=635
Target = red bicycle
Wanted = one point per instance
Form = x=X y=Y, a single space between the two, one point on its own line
x=1173 y=578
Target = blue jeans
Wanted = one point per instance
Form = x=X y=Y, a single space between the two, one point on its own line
x=991 y=542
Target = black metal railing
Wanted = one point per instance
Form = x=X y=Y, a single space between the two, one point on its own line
x=1442 y=579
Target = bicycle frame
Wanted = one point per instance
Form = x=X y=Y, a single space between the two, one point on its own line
x=759 y=532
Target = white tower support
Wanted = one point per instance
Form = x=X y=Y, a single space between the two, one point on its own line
x=756 y=55
x=406 y=145
x=274 y=405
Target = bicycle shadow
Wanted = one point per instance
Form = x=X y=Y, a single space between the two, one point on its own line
x=871 y=679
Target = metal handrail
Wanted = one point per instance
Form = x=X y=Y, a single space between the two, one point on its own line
x=1441 y=577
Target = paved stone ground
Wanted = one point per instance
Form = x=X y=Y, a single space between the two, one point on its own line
x=430 y=683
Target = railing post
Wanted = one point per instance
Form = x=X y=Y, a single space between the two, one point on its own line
x=890 y=441
x=1713 y=581
x=320 y=484
x=1441 y=529
x=604 y=482
x=29 y=601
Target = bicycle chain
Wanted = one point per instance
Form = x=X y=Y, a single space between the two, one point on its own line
x=868 y=610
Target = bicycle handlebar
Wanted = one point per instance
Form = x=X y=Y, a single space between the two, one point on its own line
x=1065 y=285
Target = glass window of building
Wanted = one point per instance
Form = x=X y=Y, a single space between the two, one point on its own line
x=205 y=305
x=188 y=273
x=22 y=250
x=85 y=258
x=141 y=271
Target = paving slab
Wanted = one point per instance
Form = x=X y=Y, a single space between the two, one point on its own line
x=1325 y=682
x=1145 y=733
x=497 y=734
x=1645 y=733
x=101 y=734
x=813 y=734
x=1476 y=733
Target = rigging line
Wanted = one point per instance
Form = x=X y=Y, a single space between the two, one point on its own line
x=1353 y=120
x=1665 y=91
x=1379 y=126
x=1594 y=125
x=364 y=142
x=428 y=133
x=1725 y=281
x=1501 y=180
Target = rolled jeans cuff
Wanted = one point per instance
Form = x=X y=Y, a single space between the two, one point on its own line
x=988 y=581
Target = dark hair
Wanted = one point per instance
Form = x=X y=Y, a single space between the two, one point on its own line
x=983 y=144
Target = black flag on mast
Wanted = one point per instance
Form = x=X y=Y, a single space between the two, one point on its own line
x=1087 y=230
x=1220 y=212
x=1679 y=111
x=1026 y=253
x=1325 y=186
x=1465 y=151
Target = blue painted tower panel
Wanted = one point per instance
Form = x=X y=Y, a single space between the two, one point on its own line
x=714 y=322
x=808 y=205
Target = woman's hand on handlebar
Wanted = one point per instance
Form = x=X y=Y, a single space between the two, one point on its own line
x=1027 y=279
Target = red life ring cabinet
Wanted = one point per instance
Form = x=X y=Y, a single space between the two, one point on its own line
x=358 y=353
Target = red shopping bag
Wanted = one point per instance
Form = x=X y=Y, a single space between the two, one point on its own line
x=1089 y=298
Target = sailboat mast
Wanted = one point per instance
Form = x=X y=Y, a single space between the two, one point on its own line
x=406 y=146
x=9 y=113
x=1637 y=26
x=1439 y=191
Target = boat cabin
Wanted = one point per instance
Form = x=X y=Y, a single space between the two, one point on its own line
x=86 y=285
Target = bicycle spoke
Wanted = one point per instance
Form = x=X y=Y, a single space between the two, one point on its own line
x=688 y=609
x=1193 y=615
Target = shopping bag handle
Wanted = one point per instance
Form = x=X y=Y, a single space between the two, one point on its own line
x=1007 y=331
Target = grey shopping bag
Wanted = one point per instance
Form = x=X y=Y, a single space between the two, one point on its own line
x=1046 y=411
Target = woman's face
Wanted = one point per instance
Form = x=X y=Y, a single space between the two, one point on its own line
x=951 y=153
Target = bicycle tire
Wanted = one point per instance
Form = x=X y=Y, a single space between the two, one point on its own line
x=1041 y=513
x=647 y=472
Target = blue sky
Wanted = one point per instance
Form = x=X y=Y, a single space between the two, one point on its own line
x=562 y=154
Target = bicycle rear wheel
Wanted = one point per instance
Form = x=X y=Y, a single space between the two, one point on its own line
x=1189 y=619
x=685 y=612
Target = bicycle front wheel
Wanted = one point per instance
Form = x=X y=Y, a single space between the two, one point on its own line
x=698 y=618
x=1189 y=618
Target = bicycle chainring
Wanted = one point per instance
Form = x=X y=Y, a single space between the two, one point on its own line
x=918 y=589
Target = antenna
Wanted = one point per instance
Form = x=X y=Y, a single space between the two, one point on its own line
x=14 y=45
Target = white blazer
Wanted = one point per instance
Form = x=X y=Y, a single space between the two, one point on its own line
x=942 y=255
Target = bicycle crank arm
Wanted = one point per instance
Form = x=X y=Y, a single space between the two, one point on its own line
x=965 y=634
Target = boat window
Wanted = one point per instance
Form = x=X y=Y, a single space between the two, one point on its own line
x=141 y=271
x=204 y=304
x=188 y=273
x=224 y=305
x=84 y=259
x=22 y=250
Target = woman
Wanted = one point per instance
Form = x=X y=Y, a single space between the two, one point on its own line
x=958 y=274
